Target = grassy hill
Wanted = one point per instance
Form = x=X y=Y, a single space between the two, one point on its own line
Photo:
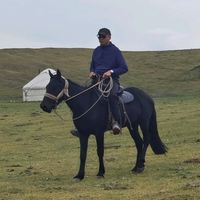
x=160 y=73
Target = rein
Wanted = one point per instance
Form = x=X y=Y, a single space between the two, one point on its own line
x=105 y=93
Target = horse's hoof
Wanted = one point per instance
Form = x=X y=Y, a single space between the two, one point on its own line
x=133 y=172
x=138 y=170
x=76 y=180
x=99 y=177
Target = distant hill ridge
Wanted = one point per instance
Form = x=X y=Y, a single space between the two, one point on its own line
x=160 y=73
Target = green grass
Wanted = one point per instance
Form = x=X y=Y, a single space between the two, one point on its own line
x=39 y=157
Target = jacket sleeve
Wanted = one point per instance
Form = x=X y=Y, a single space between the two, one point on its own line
x=92 y=65
x=122 y=67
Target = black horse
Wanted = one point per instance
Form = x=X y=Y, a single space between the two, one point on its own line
x=91 y=116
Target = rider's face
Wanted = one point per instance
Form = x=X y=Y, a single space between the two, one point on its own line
x=105 y=41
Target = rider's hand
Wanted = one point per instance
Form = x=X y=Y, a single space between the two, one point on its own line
x=107 y=74
x=92 y=74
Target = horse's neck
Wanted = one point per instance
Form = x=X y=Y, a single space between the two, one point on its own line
x=83 y=101
x=74 y=88
x=78 y=97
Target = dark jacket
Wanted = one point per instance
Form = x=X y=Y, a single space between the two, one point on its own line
x=106 y=58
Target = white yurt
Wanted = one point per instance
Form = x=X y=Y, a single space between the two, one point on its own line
x=36 y=88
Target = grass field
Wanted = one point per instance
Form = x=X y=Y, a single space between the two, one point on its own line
x=39 y=157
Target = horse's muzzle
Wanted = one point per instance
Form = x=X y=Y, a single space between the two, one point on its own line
x=45 y=108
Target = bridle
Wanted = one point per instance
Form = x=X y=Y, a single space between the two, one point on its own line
x=63 y=92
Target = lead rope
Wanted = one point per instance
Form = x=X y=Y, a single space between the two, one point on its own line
x=105 y=93
x=58 y=115
x=88 y=109
x=100 y=83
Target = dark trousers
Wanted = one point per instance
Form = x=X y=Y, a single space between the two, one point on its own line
x=113 y=101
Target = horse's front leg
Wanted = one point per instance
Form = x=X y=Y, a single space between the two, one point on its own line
x=100 y=153
x=83 y=153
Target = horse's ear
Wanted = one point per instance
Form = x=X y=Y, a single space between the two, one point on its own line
x=58 y=74
x=50 y=74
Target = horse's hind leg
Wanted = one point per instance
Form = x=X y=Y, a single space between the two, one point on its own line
x=146 y=141
x=100 y=153
x=139 y=145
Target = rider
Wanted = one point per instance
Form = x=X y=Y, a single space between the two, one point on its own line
x=107 y=60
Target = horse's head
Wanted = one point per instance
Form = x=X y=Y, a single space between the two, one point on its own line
x=56 y=90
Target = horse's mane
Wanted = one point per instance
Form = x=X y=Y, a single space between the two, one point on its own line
x=77 y=85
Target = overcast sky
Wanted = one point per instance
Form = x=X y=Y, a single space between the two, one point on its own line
x=136 y=25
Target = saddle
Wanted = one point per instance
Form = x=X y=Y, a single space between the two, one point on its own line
x=124 y=95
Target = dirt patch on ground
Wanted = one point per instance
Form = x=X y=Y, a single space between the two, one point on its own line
x=192 y=185
x=197 y=68
x=116 y=186
x=192 y=160
x=112 y=147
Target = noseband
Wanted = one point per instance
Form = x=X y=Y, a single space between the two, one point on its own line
x=63 y=92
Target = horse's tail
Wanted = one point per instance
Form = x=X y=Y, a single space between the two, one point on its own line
x=156 y=144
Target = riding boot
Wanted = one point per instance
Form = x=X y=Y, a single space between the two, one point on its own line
x=116 y=128
x=114 y=107
x=116 y=117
